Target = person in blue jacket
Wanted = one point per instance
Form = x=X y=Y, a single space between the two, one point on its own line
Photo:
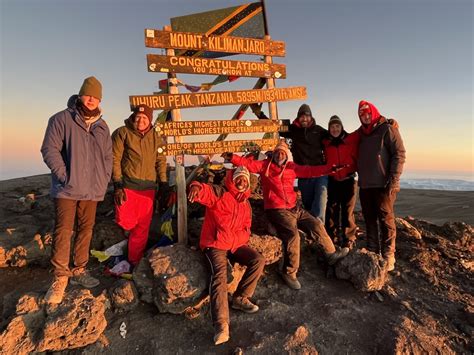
x=78 y=149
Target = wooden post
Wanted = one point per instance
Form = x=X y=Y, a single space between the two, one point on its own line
x=272 y=106
x=179 y=164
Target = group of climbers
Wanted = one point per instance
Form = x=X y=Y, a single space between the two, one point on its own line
x=82 y=156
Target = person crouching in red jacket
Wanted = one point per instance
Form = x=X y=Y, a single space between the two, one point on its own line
x=341 y=150
x=225 y=234
x=282 y=210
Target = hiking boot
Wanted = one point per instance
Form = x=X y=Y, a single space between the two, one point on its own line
x=244 y=304
x=390 y=262
x=291 y=281
x=55 y=292
x=85 y=280
x=221 y=334
x=337 y=255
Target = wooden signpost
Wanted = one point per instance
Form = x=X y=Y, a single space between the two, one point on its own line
x=218 y=147
x=202 y=42
x=187 y=128
x=198 y=52
x=193 y=65
x=218 y=98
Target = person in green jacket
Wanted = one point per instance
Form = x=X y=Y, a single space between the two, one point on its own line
x=138 y=170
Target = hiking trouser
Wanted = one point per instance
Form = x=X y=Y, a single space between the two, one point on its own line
x=217 y=259
x=135 y=215
x=286 y=223
x=340 y=208
x=314 y=195
x=377 y=208
x=66 y=211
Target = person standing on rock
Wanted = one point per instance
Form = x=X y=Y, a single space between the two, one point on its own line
x=380 y=163
x=341 y=149
x=225 y=235
x=280 y=203
x=138 y=170
x=78 y=150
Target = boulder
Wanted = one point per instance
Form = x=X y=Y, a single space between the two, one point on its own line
x=297 y=342
x=176 y=277
x=36 y=327
x=366 y=270
x=21 y=244
x=269 y=246
x=179 y=277
x=124 y=295
x=407 y=229
x=78 y=321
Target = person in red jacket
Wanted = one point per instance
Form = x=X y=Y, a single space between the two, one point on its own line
x=341 y=149
x=225 y=234
x=280 y=203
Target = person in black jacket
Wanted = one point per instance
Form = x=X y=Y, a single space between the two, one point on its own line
x=307 y=148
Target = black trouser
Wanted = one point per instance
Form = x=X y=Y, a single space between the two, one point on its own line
x=377 y=208
x=217 y=258
x=340 y=208
x=286 y=223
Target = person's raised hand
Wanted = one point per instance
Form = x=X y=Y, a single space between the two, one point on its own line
x=193 y=193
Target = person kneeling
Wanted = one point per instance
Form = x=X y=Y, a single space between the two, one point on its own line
x=225 y=234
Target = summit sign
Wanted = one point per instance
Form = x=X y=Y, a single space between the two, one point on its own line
x=202 y=42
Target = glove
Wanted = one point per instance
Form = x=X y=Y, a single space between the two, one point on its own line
x=227 y=156
x=393 y=186
x=120 y=196
x=163 y=188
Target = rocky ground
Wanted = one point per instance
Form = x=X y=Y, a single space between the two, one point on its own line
x=425 y=306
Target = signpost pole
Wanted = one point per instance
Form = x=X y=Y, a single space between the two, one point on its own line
x=179 y=164
x=272 y=106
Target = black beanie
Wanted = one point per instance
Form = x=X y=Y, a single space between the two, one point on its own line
x=335 y=119
x=304 y=110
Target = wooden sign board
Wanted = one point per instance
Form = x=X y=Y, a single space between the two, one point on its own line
x=218 y=98
x=185 y=128
x=202 y=42
x=217 y=147
x=197 y=65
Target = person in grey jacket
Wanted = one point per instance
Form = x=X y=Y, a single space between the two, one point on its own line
x=78 y=149
x=380 y=163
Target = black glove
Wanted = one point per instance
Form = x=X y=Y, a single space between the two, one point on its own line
x=163 y=188
x=119 y=196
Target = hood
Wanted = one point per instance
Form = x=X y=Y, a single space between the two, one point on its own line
x=304 y=109
x=375 y=116
x=71 y=103
x=230 y=186
x=374 y=112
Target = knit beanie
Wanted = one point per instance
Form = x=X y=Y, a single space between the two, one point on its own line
x=143 y=109
x=283 y=146
x=304 y=110
x=91 y=87
x=241 y=171
x=335 y=119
